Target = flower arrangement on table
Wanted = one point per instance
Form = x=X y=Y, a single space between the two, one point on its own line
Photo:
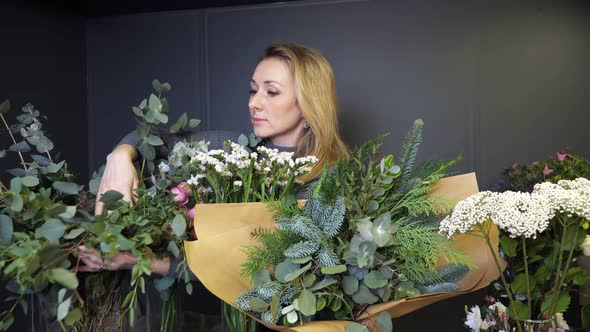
x=363 y=245
x=45 y=216
x=545 y=232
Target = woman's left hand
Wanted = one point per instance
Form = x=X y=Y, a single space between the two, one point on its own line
x=93 y=262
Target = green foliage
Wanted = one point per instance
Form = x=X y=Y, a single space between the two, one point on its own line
x=273 y=244
x=45 y=216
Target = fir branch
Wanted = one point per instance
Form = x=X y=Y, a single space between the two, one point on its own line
x=410 y=149
x=273 y=244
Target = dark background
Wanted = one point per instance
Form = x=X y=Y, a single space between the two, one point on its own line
x=498 y=81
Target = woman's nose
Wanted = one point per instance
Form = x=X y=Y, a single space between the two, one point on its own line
x=255 y=103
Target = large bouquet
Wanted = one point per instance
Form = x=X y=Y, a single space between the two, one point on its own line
x=45 y=216
x=363 y=242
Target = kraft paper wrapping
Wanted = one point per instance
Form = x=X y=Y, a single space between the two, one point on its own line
x=223 y=229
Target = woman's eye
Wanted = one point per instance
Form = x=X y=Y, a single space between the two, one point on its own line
x=252 y=91
x=272 y=93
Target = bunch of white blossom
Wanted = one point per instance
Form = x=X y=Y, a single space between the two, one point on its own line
x=522 y=214
x=569 y=197
x=473 y=210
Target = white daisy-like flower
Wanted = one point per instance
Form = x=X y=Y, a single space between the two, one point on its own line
x=473 y=319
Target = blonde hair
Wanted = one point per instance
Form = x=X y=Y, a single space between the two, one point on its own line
x=315 y=88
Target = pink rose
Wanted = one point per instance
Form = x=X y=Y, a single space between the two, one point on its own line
x=185 y=187
x=547 y=171
x=191 y=213
x=180 y=196
x=514 y=165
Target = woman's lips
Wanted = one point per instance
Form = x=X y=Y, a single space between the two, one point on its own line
x=258 y=120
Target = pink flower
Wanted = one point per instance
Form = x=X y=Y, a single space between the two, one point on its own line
x=547 y=171
x=180 y=196
x=514 y=165
x=560 y=156
x=191 y=213
x=185 y=187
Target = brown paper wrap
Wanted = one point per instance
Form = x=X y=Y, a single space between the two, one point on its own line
x=223 y=229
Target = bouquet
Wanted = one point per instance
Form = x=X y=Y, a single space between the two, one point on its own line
x=45 y=216
x=546 y=232
x=363 y=242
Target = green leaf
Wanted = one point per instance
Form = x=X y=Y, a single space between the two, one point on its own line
x=243 y=140
x=52 y=229
x=20 y=147
x=364 y=296
x=372 y=205
x=194 y=122
x=179 y=225
x=111 y=197
x=375 y=279
x=155 y=140
x=189 y=288
x=17 y=203
x=293 y=275
x=61 y=294
x=147 y=151
x=74 y=233
x=563 y=302
x=137 y=111
x=321 y=303
x=6 y=229
x=307 y=303
x=260 y=277
x=5 y=106
x=44 y=145
x=301 y=260
x=74 y=316
x=70 y=212
x=2 y=153
x=283 y=269
x=63 y=308
x=16 y=185
x=350 y=285
x=68 y=188
x=54 y=168
x=143 y=104
x=508 y=245
x=41 y=160
x=155 y=104
x=173 y=249
x=166 y=87
x=323 y=284
x=384 y=323
x=308 y=280
x=258 y=305
x=334 y=269
x=162 y=117
x=522 y=310
x=157 y=86
x=518 y=284
x=356 y=327
x=586 y=316
x=65 y=278
x=163 y=283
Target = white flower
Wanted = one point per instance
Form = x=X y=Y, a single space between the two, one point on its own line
x=473 y=319
x=164 y=168
x=568 y=197
x=473 y=210
x=498 y=305
x=561 y=323
x=237 y=183
x=522 y=214
x=585 y=246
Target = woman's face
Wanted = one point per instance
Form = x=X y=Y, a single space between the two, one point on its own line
x=274 y=111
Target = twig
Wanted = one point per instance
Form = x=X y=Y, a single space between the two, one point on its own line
x=14 y=141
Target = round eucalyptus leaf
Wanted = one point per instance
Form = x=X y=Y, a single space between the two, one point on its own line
x=5 y=106
x=372 y=205
x=356 y=327
x=364 y=296
x=375 y=279
x=64 y=308
x=74 y=233
x=179 y=225
x=307 y=303
x=350 y=285
x=68 y=188
x=155 y=140
x=384 y=322
x=173 y=249
x=284 y=268
x=6 y=229
x=194 y=122
x=65 y=277
x=52 y=230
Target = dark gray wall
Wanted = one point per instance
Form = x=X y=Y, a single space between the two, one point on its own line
x=499 y=81
x=42 y=61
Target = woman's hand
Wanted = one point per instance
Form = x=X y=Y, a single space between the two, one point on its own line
x=124 y=260
x=119 y=174
x=93 y=262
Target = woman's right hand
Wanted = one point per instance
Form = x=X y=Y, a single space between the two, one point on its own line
x=119 y=175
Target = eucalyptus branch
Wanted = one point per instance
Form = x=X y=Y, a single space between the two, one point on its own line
x=22 y=160
x=37 y=122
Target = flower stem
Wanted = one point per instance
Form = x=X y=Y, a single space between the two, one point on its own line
x=526 y=273
x=562 y=273
x=22 y=160
x=502 y=277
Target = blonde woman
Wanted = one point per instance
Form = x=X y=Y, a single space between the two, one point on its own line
x=292 y=106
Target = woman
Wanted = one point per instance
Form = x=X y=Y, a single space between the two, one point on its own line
x=292 y=106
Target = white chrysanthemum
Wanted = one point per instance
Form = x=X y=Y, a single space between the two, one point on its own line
x=473 y=319
x=473 y=210
x=522 y=214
